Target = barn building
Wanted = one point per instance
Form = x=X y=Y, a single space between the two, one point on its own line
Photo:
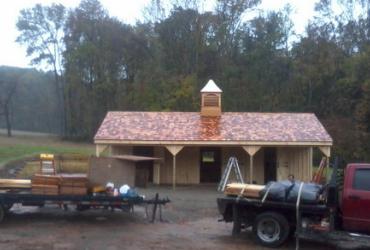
x=195 y=146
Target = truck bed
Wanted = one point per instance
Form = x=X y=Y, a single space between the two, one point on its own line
x=226 y=203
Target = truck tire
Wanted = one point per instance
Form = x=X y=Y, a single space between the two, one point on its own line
x=271 y=229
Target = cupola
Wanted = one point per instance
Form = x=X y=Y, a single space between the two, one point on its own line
x=211 y=99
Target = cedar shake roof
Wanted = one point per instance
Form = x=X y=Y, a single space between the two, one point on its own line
x=191 y=126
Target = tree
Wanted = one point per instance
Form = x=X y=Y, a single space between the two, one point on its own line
x=8 y=87
x=41 y=30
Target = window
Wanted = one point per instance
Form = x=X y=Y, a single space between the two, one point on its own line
x=208 y=157
x=211 y=100
x=362 y=179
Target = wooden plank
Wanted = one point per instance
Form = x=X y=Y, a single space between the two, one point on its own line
x=15 y=183
x=45 y=179
x=45 y=189
x=246 y=190
x=135 y=158
x=73 y=190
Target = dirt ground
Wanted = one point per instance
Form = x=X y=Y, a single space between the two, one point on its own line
x=191 y=222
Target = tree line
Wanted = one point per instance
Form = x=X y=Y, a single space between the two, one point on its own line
x=100 y=63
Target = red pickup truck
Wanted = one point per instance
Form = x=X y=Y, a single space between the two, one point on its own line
x=355 y=202
x=341 y=219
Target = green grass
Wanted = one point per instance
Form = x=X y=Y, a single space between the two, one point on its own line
x=19 y=151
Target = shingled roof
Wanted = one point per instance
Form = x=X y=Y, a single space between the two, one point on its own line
x=177 y=127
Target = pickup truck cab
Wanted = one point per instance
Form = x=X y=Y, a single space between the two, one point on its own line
x=341 y=219
x=355 y=204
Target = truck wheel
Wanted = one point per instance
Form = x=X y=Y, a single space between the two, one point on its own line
x=271 y=229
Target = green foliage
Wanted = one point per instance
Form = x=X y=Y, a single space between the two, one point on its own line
x=34 y=106
x=162 y=63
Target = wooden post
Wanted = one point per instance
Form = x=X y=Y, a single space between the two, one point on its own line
x=174 y=172
x=251 y=169
x=100 y=149
x=251 y=150
x=174 y=150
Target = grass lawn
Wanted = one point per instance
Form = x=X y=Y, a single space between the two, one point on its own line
x=19 y=147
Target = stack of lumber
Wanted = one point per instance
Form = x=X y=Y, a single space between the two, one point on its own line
x=15 y=184
x=45 y=184
x=73 y=184
x=245 y=190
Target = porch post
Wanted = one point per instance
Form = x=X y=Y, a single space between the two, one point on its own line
x=174 y=172
x=326 y=150
x=174 y=150
x=251 y=150
x=100 y=149
x=251 y=169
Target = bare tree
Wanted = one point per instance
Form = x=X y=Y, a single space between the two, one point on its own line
x=7 y=90
x=41 y=30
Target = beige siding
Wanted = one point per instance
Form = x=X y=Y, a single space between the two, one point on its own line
x=121 y=150
x=243 y=160
x=187 y=166
x=290 y=160
x=296 y=161
x=159 y=152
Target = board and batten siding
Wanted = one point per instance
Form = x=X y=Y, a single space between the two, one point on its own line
x=243 y=161
x=290 y=160
x=187 y=166
x=296 y=161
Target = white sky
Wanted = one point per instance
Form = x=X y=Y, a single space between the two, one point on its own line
x=12 y=54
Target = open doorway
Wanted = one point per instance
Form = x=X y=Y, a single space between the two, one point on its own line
x=144 y=169
x=270 y=164
x=210 y=165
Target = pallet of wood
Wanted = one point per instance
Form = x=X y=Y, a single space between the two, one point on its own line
x=73 y=184
x=15 y=184
x=39 y=179
x=245 y=190
x=45 y=189
x=45 y=184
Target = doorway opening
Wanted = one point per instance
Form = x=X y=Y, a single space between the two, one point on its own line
x=144 y=169
x=210 y=165
x=270 y=165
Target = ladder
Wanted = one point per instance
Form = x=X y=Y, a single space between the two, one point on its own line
x=319 y=173
x=231 y=164
x=47 y=164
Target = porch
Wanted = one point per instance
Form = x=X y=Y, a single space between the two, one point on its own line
x=193 y=164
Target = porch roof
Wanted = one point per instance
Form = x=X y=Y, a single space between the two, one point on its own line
x=228 y=129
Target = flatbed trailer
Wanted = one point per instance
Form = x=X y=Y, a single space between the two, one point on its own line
x=82 y=202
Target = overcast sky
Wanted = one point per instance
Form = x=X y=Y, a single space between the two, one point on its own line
x=128 y=11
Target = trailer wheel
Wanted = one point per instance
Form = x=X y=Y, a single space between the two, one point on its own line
x=271 y=229
x=7 y=207
x=2 y=213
